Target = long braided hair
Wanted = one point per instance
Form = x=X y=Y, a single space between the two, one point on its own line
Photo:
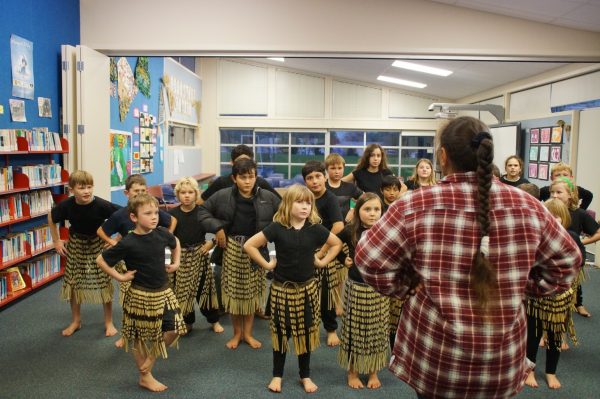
x=470 y=148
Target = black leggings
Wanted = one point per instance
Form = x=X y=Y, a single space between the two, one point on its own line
x=327 y=315
x=535 y=331
x=579 y=296
x=212 y=315
x=279 y=359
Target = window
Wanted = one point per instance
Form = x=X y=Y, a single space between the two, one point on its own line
x=182 y=135
x=281 y=153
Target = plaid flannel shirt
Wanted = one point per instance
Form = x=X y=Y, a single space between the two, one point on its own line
x=443 y=349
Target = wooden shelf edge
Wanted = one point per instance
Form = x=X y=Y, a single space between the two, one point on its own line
x=18 y=294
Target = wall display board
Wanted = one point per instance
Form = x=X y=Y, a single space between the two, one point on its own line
x=507 y=142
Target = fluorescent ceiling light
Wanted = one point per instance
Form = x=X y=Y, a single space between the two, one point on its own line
x=421 y=68
x=279 y=59
x=402 y=82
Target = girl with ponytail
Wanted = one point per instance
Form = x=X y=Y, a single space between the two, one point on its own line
x=469 y=249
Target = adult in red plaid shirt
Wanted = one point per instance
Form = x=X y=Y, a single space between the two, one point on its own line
x=469 y=249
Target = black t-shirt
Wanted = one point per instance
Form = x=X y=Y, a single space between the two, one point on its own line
x=120 y=222
x=370 y=182
x=583 y=222
x=244 y=222
x=227 y=181
x=344 y=193
x=295 y=250
x=144 y=253
x=346 y=236
x=84 y=219
x=188 y=229
x=517 y=183
x=584 y=195
x=329 y=209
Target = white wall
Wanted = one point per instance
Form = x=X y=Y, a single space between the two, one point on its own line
x=342 y=27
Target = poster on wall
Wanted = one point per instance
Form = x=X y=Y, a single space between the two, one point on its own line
x=534 y=136
x=121 y=164
x=147 y=142
x=557 y=134
x=21 y=57
x=555 y=153
x=545 y=135
x=533 y=153
x=17 y=110
x=533 y=170
x=543 y=171
x=544 y=153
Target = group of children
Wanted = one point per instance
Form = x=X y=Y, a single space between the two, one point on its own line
x=314 y=229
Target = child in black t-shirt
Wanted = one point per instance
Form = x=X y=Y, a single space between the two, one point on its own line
x=83 y=281
x=294 y=297
x=194 y=279
x=371 y=168
x=391 y=190
x=343 y=190
x=151 y=316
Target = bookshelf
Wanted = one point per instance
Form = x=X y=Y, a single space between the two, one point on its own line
x=26 y=198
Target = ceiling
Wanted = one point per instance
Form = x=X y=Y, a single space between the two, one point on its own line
x=469 y=77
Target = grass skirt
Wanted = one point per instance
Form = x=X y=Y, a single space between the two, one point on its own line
x=555 y=314
x=123 y=286
x=143 y=311
x=242 y=287
x=364 y=342
x=328 y=279
x=84 y=281
x=395 y=311
x=295 y=306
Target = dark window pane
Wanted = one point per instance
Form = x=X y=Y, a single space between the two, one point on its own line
x=303 y=154
x=347 y=138
x=417 y=141
x=393 y=156
x=308 y=138
x=225 y=169
x=410 y=157
x=350 y=155
x=406 y=173
x=271 y=154
x=226 y=153
x=384 y=139
x=276 y=138
x=296 y=173
x=236 y=136
x=273 y=171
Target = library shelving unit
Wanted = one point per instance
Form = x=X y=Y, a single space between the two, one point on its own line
x=22 y=184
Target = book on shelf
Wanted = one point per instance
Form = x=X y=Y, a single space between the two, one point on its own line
x=42 y=267
x=13 y=246
x=14 y=279
x=3 y=287
x=39 y=201
x=11 y=208
x=39 y=238
x=42 y=174
x=6 y=178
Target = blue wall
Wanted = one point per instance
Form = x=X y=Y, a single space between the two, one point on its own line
x=47 y=25
x=156 y=67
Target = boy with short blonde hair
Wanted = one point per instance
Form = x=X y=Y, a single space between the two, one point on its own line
x=344 y=191
x=562 y=169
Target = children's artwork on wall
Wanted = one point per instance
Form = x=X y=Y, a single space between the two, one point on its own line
x=17 y=110
x=533 y=170
x=543 y=171
x=555 y=153
x=44 y=108
x=544 y=153
x=21 y=56
x=533 y=153
x=121 y=163
x=127 y=89
x=147 y=140
x=142 y=76
x=545 y=135
x=534 y=136
x=557 y=133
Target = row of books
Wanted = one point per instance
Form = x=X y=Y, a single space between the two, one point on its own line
x=41 y=175
x=3 y=287
x=6 y=178
x=13 y=246
x=42 y=267
x=38 y=139
x=39 y=238
x=11 y=207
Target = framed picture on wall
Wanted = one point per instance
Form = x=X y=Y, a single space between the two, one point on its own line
x=533 y=170
x=534 y=136
x=555 y=153
x=544 y=155
x=543 y=171
x=557 y=133
x=533 y=152
x=545 y=135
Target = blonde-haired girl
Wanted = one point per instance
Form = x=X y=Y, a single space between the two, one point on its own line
x=423 y=175
x=294 y=298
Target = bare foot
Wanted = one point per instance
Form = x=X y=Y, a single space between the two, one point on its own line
x=74 y=326
x=542 y=342
x=309 y=386
x=254 y=344
x=111 y=330
x=353 y=381
x=150 y=383
x=217 y=327
x=552 y=381
x=339 y=310
x=531 y=381
x=564 y=346
x=234 y=342
x=332 y=338
x=119 y=343
x=373 y=382
x=275 y=385
x=583 y=311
